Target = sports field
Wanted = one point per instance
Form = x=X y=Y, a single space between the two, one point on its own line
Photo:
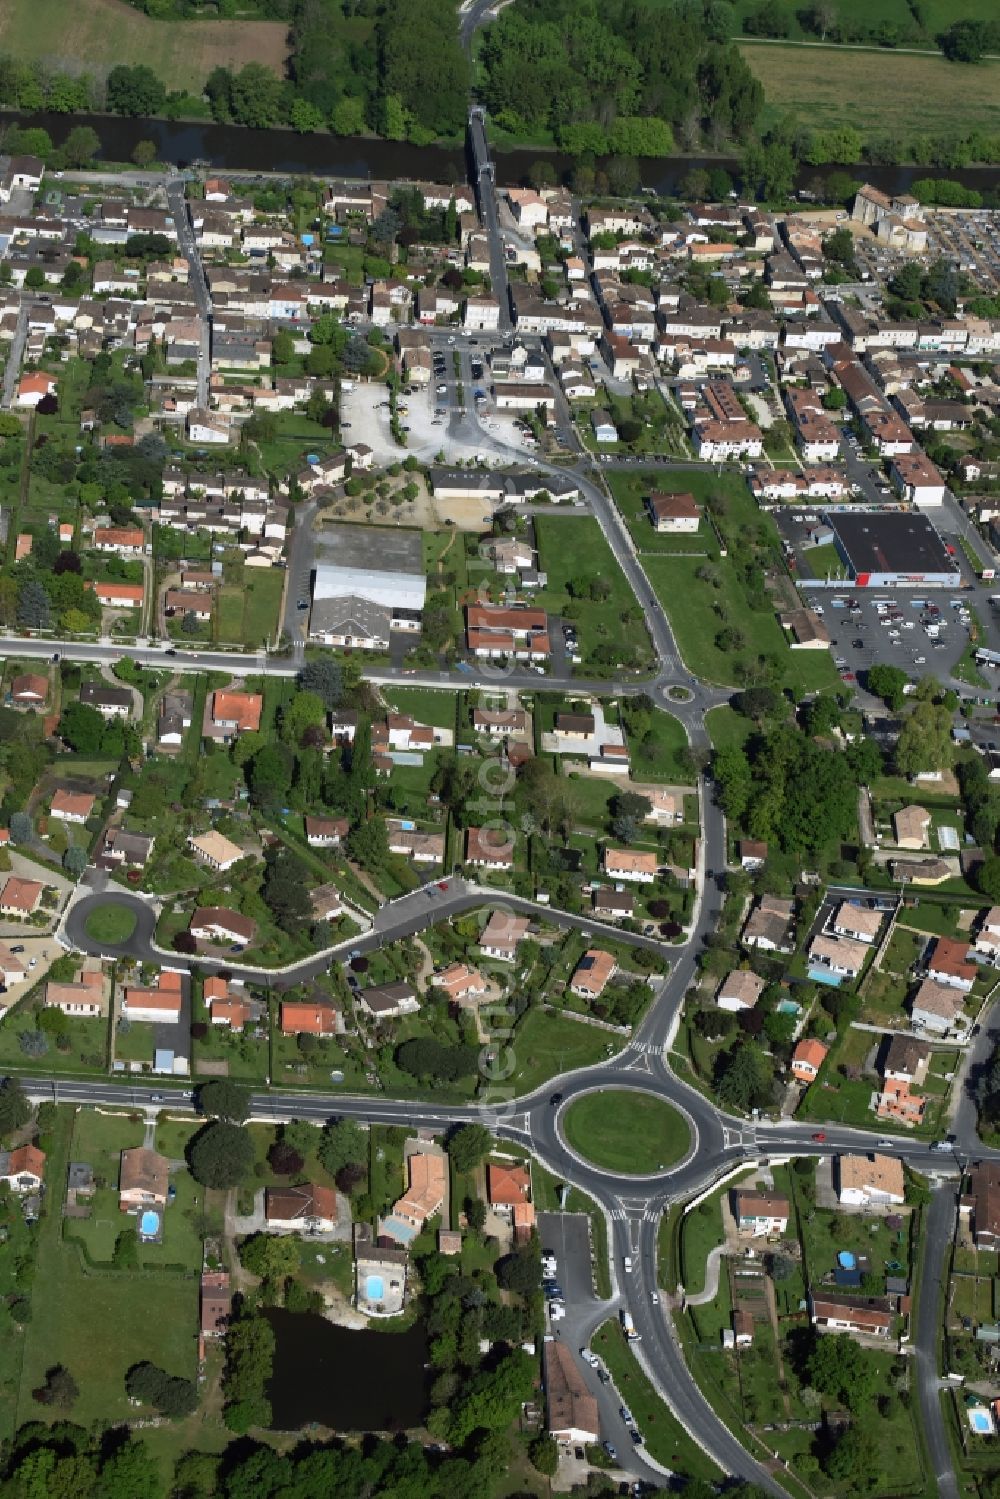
x=879 y=93
x=93 y=36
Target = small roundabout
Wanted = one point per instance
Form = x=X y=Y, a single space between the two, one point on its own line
x=626 y=1131
x=111 y=923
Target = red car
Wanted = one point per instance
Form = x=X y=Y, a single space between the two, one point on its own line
x=820 y=1135
x=442 y=884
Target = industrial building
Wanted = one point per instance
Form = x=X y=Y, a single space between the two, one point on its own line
x=892 y=549
x=368 y=581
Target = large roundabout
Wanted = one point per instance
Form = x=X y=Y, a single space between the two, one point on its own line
x=626 y=1131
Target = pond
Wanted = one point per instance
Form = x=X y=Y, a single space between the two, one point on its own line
x=351 y=1381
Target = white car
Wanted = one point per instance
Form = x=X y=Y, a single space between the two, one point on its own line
x=557 y=1311
x=589 y=1357
x=627 y=1264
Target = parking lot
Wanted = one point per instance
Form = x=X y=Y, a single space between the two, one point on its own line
x=913 y=629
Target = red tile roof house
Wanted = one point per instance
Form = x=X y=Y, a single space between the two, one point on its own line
x=216 y=1302
x=29 y=688
x=949 y=964
x=306 y=1209
x=118 y=595
x=486 y=848
x=72 y=806
x=19 y=897
x=225 y=1007
x=300 y=1017
x=22 y=1169
x=126 y=541
x=159 y=1005
x=233 y=713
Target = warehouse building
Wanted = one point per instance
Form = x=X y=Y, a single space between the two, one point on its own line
x=892 y=549
x=368 y=581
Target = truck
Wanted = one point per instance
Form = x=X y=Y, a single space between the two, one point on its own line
x=628 y=1327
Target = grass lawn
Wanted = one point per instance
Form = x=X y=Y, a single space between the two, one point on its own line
x=574 y=549
x=660 y=753
x=110 y=924
x=99 y=1323
x=691 y=605
x=625 y=1130
x=664 y=1436
x=424 y=704
x=181 y=53
x=877 y=92
x=727 y=728
x=630 y=491
x=546 y=1044
x=825 y=562
x=261 y=601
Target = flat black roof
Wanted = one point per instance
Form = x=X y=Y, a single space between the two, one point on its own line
x=891 y=541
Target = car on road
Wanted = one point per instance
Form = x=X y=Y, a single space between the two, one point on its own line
x=589 y=1357
x=654 y=1297
x=611 y=1450
x=636 y=1436
x=819 y=1135
x=555 y=1098
x=442 y=884
x=170 y=652
x=156 y=1098
x=627 y=1416
x=302 y=604
x=557 y=1311
x=627 y=1264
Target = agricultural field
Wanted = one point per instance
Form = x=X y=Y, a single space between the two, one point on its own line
x=96 y=35
x=876 y=92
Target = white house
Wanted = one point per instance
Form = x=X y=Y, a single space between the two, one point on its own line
x=739 y=990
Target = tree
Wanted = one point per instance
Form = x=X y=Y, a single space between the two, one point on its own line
x=544 y=1453
x=82 y=728
x=221 y=1155
x=60 y=1388
x=22 y=827
x=467 y=1145
x=887 y=682
x=343 y=1143
x=144 y=153
x=153 y=1386
x=34 y=278
x=324 y=678
x=299 y=1135
x=81 y=146
x=837 y=1366
x=34 y=608
x=306 y=710
x=270 y=1256
x=924 y=741
x=521 y=1270
x=987 y=877
x=964 y=41
x=286 y=889
x=75 y=859
x=223 y=1099
x=854 y=1459
x=284 y=1160
x=744 y=1078
x=128 y=1471
x=270 y=776
x=15 y=1110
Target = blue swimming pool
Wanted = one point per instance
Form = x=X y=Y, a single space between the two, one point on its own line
x=374 y=1289
x=846 y=1259
x=149 y=1224
x=980 y=1422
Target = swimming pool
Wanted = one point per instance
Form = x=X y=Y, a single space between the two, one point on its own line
x=981 y=1422
x=846 y=1259
x=149 y=1224
x=374 y=1289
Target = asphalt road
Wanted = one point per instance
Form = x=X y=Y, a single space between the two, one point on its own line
x=937 y=1229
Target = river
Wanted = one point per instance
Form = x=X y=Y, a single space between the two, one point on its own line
x=231 y=148
x=348 y=1380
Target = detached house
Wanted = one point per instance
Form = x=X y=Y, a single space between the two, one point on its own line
x=949 y=964
x=593 y=973
x=856 y=923
x=22 y=1169
x=673 y=514
x=486 y=848
x=769 y=925
x=865 y=1180
x=871 y=1316
x=739 y=990
x=760 y=1213
x=837 y=955
x=807 y=1058
x=936 y=1007
x=143 y=1180
x=987 y=943
x=631 y=864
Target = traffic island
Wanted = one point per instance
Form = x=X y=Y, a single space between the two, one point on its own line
x=110 y=924
x=626 y=1131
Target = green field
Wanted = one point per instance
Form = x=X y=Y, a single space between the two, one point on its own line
x=110 y=924
x=572 y=551
x=545 y=1044
x=94 y=35
x=878 y=92
x=624 y=1130
x=99 y=1323
x=691 y=607
x=859 y=17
